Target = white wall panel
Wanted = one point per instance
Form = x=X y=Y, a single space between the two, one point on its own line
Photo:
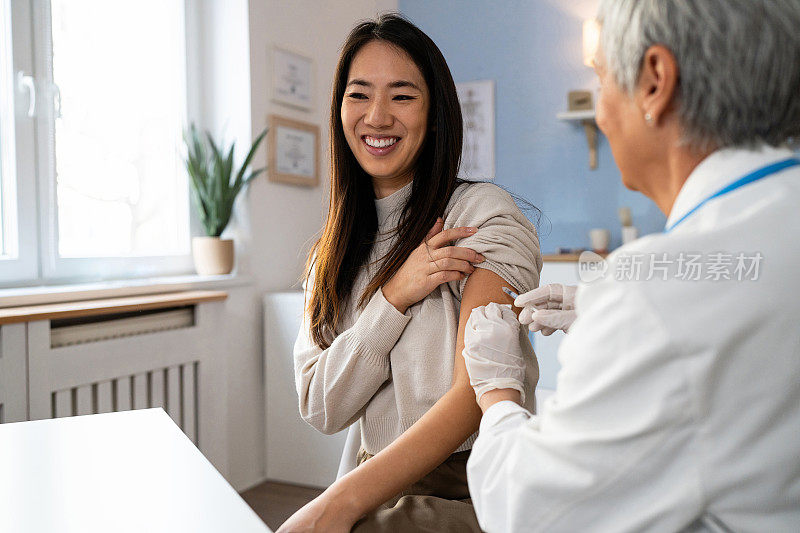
x=296 y=452
x=546 y=347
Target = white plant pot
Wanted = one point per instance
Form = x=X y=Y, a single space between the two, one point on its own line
x=600 y=239
x=212 y=256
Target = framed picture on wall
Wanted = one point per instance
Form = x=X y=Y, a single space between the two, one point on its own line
x=477 y=109
x=293 y=151
x=292 y=78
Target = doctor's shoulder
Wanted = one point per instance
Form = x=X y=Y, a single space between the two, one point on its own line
x=661 y=271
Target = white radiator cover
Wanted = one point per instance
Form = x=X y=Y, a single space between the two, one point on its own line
x=174 y=389
x=182 y=370
x=13 y=373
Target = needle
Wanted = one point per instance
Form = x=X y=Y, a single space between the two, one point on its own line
x=511 y=293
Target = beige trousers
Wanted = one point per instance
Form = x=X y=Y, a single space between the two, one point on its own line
x=439 y=502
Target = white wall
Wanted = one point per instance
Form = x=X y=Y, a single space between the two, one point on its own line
x=274 y=224
x=284 y=218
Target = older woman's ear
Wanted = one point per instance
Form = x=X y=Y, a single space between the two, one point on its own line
x=657 y=84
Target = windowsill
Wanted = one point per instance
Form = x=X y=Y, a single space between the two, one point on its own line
x=49 y=294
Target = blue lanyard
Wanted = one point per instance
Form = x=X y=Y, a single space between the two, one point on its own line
x=741 y=182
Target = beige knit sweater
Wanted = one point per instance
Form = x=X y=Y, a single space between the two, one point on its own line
x=386 y=368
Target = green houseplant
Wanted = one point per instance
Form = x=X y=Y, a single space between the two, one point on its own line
x=214 y=190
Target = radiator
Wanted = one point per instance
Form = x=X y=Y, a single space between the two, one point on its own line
x=13 y=374
x=173 y=359
x=174 y=389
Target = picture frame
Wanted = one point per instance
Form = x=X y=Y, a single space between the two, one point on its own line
x=293 y=148
x=292 y=78
x=477 y=102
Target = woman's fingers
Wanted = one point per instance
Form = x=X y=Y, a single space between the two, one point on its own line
x=449 y=263
x=427 y=267
x=445 y=276
x=447 y=236
x=456 y=252
x=437 y=227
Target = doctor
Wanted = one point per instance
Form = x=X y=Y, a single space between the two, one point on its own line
x=678 y=402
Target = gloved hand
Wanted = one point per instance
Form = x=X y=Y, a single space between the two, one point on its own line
x=492 y=350
x=548 y=308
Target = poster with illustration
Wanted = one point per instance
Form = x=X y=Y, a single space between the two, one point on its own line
x=477 y=110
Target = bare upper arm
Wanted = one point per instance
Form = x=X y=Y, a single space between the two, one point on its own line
x=483 y=287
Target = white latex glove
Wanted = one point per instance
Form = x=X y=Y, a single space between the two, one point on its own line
x=492 y=351
x=548 y=308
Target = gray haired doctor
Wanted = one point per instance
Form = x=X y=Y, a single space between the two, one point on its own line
x=677 y=406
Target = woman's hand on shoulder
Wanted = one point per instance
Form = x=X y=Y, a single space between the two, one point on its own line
x=433 y=262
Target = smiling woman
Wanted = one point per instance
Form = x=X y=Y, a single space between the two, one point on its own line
x=385 y=114
x=388 y=293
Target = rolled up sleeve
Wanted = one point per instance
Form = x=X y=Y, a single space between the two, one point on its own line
x=505 y=236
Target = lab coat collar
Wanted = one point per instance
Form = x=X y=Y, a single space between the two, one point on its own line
x=718 y=170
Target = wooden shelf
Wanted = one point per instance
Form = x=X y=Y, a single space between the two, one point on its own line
x=585 y=117
x=107 y=306
x=576 y=115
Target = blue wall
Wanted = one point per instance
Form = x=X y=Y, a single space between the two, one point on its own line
x=532 y=49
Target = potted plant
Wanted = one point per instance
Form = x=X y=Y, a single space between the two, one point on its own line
x=214 y=190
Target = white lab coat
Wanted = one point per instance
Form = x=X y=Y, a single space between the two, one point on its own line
x=676 y=399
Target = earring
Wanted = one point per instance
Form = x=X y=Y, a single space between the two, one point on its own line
x=648 y=118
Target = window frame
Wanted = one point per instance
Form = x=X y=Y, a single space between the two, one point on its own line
x=39 y=261
x=17 y=158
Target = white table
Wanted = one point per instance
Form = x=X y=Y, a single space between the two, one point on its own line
x=132 y=471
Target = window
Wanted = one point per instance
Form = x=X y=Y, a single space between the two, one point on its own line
x=105 y=84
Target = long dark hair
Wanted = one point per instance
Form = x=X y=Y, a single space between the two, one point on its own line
x=350 y=231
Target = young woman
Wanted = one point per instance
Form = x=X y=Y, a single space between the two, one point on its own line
x=388 y=295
